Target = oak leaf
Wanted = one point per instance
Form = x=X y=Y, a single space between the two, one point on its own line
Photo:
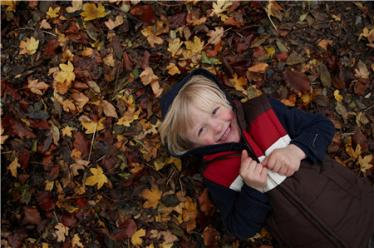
x=98 y=178
x=110 y=24
x=36 y=86
x=91 y=11
x=53 y=12
x=152 y=197
x=90 y=125
x=28 y=46
x=136 y=238
x=61 y=232
x=13 y=167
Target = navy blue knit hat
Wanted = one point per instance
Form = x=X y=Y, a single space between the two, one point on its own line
x=168 y=98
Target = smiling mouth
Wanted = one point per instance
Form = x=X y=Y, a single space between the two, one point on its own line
x=225 y=134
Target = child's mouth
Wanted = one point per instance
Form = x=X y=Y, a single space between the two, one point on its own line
x=225 y=134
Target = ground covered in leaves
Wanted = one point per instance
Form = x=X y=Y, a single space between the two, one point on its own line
x=82 y=163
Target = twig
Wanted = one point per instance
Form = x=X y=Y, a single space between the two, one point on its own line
x=92 y=140
x=368 y=108
x=33 y=29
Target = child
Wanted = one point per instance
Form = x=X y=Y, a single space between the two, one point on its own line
x=265 y=165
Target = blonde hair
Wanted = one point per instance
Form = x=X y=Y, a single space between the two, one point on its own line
x=199 y=92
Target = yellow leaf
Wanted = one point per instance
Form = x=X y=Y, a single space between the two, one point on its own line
x=45 y=245
x=219 y=7
x=53 y=12
x=196 y=46
x=109 y=109
x=270 y=51
x=91 y=11
x=128 y=117
x=98 y=177
x=152 y=197
x=113 y=24
x=45 y=25
x=49 y=185
x=76 y=5
x=365 y=163
x=136 y=238
x=28 y=46
x=11 y=5
x=13 y=167
x=174 y=47
x=258 y=68
x=173 y=69
x=151 y=37
x=353 y=153
x=238 y=83
x=63 y=78
x=61 y=232
x=216 y=35
x=176 y=161
x=109 y=60
x=156 y=88
x=338 y=97
x=37 y=87
x=76 y=242
x=78 y=165
x=90 y=125
x=147 y=76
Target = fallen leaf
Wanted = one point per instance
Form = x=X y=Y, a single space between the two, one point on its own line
x=174 y=47
x=239 y=83
x=147 y=76
x=61 y=232
x=32 y=216
x=80 y=100
x=37 y=87
x=78 y=165
x=136 y=238
x=63 y=78
x=324 y=75
x=152 y=38
x=338 y=97
x=294 y=59
x=152 y=197
x=76 y=242
x=215 y=35
x=258 y=68
x=45 y=25
x=211 y=237
x=195 y=46
x=109 y=60
x=13 y=167
x=128 y=117
x=324 y=43
x=274 y=9
x=365 y=163
x=113 y=24
x=219 y=7
x=91 y=11
x=362 y=71
x=173 y=69
x=144 y=13
x=53 y=12
x=98 y=178
x=109 y=109
x=28 y=46
x=76 y=5
x=90 y=125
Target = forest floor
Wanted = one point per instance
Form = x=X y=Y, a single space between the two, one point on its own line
x=82 y=162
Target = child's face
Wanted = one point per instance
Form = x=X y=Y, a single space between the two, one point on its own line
x=215 y=127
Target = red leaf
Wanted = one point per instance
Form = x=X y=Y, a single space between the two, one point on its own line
x=32 y=216
x=16 y=238
x=81 y=202
x=23 y=158
x=297 y=80
x=81 y=143
x=144 y=13
x=69 y=220
x=127 y=64
x=45 y=201
x=17 y=128
x=50 y=47
x=282 y=56
x=211 y=237
x=6 y=89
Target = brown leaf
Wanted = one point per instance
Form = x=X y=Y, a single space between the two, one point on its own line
x=127 y=64
x=205 y=203
x=45 y=201
x=109 y=109
x=324 y=75
x=360 y=87
x=297 y=80
x=144 y=13
x=126 y=230
x=32 y=216
x=81 y=143
x=211 y=237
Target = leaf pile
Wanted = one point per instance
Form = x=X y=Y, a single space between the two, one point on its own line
x=82 y=161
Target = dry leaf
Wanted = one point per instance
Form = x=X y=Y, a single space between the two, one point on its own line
x=55 y=133
x=136 y=238
x=64 y=78
x=156 y=89
x=324 y=43
x=37 y=87
x=113 y=24
x=338 y=97
x=53 y=12
x=13 y=167
x=109 y=60
x=216 y=35
x=91 y=11
x=45 y=25
x=365 y=163
x=76 y=5
x=151 y=37
x=76 y=242
x=109 y=109
x=90 y=125
x=61 y=232
x=147 y=76
x=297 y=80
x=274 y=9
x=239 y=83
x=362 y=71
x=80 y=100
x=258 y=68
x=28 y=46
x=152 y=197
x=98 y=178
x=196 y=46
x=174 y=47
x=219 y=7
x=173 y=69
x=78 y=165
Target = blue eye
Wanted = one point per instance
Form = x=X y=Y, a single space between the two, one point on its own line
x=215 y=110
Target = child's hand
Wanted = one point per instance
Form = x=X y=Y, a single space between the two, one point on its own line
x=285 y=161
x=253 y=173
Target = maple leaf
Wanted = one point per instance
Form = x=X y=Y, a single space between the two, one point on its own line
x=174 y=47
x=90 y=125
x=113 y=24
x=13 y=167
x=78 y=165
x=258 y=68
x=151 y=37
x=64 y=78
x=76 y=242
x=37 y=87
x=28 y=46
x=215 y=35
x=128 y=117
x=76 y=5
x=365 y=163
x=53 y=12
x=61 y=232
x=219 y=7
x=98 y=177
x=239 y=83
x=338 y=97
x=91 y=11
x=152 y=197
x=172 y=69
x=136 y=238
x=196 y=46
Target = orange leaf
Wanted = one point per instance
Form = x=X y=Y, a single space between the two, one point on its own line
x=152 y=197
x=259 y=68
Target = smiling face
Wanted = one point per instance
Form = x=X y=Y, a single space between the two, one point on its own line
x=218 y=125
